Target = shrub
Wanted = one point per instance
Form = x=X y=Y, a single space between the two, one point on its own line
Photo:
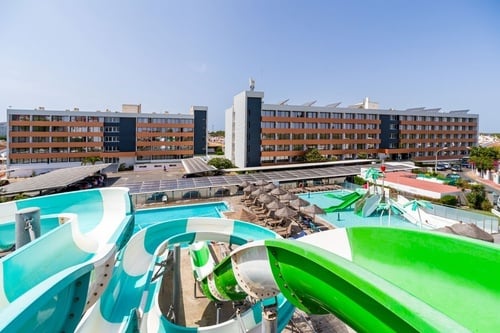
x=449 y=200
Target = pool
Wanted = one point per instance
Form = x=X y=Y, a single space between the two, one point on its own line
x=147 y=217
x=347 y=217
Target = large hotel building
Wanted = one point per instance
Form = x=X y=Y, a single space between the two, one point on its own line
x=40 y=140
x=259 y=134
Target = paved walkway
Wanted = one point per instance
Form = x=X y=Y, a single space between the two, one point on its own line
x=472 y=175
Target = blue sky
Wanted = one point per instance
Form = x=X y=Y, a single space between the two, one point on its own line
x=169 y=55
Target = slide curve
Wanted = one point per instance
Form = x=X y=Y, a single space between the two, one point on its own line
x=371 y=279
x=376 y=279
x=47 y=284
x=348 y=200
x=131 y=289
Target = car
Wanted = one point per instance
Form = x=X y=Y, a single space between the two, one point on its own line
x=222 y=192
x=191 y=195
x=440 y=167
x=157 y=197
x=452 y=178
x=456 y=168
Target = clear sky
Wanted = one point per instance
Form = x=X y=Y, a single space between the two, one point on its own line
x=169 y=55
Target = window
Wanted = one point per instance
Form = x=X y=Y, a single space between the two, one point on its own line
x=324 y=136
x=267 y=136
x=21 y=117
x=41 y=128
x=37 y=117
x=283 y=136
x=311 y=136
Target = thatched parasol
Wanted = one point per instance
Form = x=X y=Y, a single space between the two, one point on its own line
x=285 y=212
x=288 y=196
x=261 y=182
x=468 y=230
x=257 y=192
x=298 y=203
x=275 y=204
x=242 y=215
x=249 y=188
x=244 y=184
x=312 y=210
x=269 y=187
x=265 y=198
x=278 y=191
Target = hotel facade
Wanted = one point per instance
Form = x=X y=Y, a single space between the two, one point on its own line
x=259 y=134
x=41 y=140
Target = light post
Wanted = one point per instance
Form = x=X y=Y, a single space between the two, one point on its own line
x=436 y=162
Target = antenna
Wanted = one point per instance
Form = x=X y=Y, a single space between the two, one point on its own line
x=252 y=84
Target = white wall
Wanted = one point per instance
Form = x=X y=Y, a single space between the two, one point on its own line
x=240 y=129
x=228 y=139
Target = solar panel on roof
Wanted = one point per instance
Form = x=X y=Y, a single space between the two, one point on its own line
x=53 y=179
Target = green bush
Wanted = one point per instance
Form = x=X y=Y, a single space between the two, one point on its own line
x=359 y=180
x=449 y=200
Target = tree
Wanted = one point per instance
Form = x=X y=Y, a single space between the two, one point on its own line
x=417 y=205
x=91 y=160
x=484 y=157
x=313 y=155
x=220 y=163
x=476 y=196
x=219 y=151
x=217 y=133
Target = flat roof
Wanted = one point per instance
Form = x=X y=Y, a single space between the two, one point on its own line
x=53 y=179
x=196 y=165
x=270 y=176
x=302 y=165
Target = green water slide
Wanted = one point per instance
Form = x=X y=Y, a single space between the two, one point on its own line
x=347 y=200
x=376 y=279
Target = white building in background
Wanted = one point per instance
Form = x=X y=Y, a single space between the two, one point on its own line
x=260 y=134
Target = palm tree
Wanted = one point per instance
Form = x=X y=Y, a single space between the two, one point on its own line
x=372 y=174
x=416 y=205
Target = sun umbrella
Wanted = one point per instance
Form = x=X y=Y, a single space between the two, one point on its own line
x=468 y=230
x=244 y=184
x=269 y=187
x=265 y=198
x=288 y=196
x=249 y=188
x=257 y=192
x=278 y=191
x=298 y=203
x=242 y=215
x=261 y=182
x=273 y=205
x=312 y=210
x=285 y=212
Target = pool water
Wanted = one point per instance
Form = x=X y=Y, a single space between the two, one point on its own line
x=147 y=217
x=348 y=218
